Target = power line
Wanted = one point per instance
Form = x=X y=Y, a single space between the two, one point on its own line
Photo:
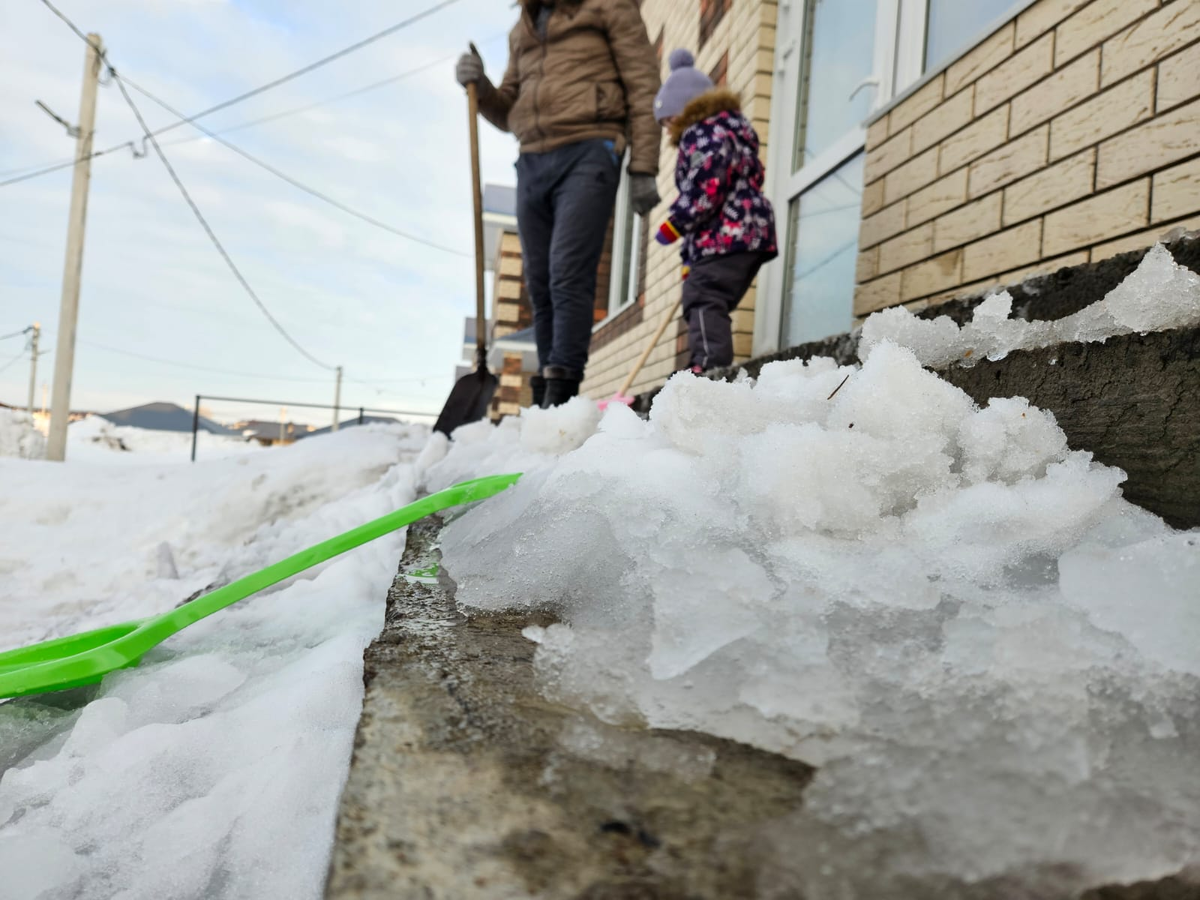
x=12 y=361
x=188 y=197
x=58 y=167
x=216 y=370
x=183 y=365
x=379 y=35
x=25 y=330
x=219 y=371
x=26 y=173
x=313 y=192
x=208 y=228
x=296 y=110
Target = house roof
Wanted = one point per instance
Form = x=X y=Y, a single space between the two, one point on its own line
x=164 y=417
x=499 y=216
x=500 y=199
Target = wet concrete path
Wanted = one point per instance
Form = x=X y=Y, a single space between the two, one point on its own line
x=467 y=783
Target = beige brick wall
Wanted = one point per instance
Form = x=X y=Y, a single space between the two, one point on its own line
x=747 y=34
x=1070 y=134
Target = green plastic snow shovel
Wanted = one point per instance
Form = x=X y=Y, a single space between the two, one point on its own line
x=85 y=658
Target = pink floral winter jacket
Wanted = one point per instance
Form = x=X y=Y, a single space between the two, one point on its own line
x=721 y=208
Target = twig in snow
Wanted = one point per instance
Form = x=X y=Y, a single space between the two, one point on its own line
x=838 y=388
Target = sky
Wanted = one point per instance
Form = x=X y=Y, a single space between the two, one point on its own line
x=387 y=309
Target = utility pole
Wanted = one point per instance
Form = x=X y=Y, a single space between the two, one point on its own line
x=37 y=330
x=64 y=362
x=337 y=400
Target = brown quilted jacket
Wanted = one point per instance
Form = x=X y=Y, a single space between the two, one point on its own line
x=594 y=76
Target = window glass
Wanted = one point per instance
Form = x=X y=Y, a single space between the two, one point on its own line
x=838 y=55
x=821 y=255
x=621 y=284
x=629 y=259
x=954 y=24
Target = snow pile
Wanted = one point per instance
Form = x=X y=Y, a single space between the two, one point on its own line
x=19 y=437
x=1159 y=295
x=991 y=656
x=518 y=444
x=96 y=439
x=213 y=769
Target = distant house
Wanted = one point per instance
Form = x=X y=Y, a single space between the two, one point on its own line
x=40 y=416
x=270 y=434
x=512 y=353
x=164 y=417
x=365 y=420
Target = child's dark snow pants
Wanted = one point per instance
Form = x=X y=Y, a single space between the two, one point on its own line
x=565 y=198
x=713 y=289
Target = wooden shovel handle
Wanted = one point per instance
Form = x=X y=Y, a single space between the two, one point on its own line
x=667 y=318
x=477 y=196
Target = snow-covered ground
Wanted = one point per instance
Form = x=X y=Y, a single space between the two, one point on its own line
x=99 y=440
x=213 y=768
x=989 y=654
x=993 y=658
x=95 y=439
x=18 y=436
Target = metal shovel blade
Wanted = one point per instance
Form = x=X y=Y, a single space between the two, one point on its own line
x=469 y=401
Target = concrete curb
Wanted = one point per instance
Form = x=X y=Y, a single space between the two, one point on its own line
x=466 y=783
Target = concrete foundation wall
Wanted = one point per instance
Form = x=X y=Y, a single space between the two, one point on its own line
x=1133 y=401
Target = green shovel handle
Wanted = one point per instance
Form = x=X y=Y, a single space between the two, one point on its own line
x=83 y=658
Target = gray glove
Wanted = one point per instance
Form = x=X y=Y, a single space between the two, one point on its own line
x=643 y=193
x=469 y=69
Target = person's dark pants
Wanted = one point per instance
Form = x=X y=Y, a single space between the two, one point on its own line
x=565 y=198
x=713 y=289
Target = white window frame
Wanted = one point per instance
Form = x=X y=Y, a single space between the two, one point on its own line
x=899 y=60
x=784 y=184
x=623 y=225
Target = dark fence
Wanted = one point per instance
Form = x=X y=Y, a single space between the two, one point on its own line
x=362 y=411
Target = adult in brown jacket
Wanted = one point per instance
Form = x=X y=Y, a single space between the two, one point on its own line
x=578 y=89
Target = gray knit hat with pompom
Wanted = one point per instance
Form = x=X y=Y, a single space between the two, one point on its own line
x=683 y=85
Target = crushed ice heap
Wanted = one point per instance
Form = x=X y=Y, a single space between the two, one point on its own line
x=992 y=658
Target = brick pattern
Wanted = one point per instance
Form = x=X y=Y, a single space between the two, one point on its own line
x=513 y=311
x=513 y=391
x=620 y=324
x=739 y=39
x=1067 y=135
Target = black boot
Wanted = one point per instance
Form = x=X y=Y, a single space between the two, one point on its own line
x=561 y=385
x=538 y=385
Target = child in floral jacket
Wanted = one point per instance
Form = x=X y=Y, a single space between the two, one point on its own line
x=727 y=225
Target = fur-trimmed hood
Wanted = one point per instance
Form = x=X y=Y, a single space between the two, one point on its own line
x=707 y=104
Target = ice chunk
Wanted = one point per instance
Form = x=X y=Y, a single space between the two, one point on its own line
x=688 y=626
x=936 y=342
x=944 y=607
x=1010 y=440
x=1148 y=592
x=1158 y=295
